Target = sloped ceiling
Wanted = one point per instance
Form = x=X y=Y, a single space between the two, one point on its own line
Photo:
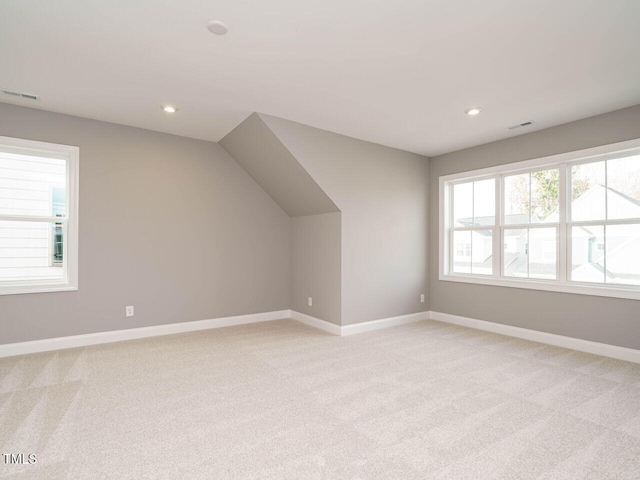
x=254 y=146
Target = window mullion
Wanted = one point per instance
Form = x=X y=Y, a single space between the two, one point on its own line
x=451 y=225
x=65 y=249
x=473 y=221
x=564 y=193
x=530 y=197
x=606 y=192
x=606 y=216
x=497 y=233
x=604 y=260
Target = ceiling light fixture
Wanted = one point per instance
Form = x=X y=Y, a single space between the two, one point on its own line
x=169 y=109
x=473 y=111
x=217 y=27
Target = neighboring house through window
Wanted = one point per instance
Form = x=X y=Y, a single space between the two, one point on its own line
x=568 y=223
x=38 y=216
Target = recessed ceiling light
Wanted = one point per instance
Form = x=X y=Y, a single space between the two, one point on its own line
x=169 y=109
x=217 y=27
x=473 y=111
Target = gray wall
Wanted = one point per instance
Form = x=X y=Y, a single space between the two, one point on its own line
x=171 y=225
x=178 y=229
x=315 y=265
x=382 y=194
x=600 y=319
x=254 y=146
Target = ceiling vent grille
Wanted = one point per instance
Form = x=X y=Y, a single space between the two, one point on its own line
x=520 y=125
x=13 y=93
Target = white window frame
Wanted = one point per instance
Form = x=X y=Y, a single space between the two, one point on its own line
x=562 y=161
x=71 y=156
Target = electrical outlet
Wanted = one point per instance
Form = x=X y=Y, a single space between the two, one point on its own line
x=310 y=301
x=129 y=311
x=422 y=298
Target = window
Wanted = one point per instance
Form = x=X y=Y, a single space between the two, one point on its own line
x=473 y=211
x=567 y=223
x=38 y=216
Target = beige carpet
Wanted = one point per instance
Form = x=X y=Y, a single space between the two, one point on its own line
x=282 y=400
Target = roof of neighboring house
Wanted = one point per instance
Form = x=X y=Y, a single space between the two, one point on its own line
x=523 y=218
x=517 y=265
x=624 y=196
x=595 y=193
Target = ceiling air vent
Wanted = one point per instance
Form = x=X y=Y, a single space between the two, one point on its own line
x=13 y=93
x=520 y=125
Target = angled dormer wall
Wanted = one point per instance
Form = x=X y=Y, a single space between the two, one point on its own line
x=254 y=146
x=315 y=223
x=383 y=196
x=369 y=259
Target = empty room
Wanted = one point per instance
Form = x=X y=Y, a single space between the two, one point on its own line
x=319 y=240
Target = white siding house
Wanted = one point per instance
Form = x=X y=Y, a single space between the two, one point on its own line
x=616 y=258
x=31 y=186
x=531 y=252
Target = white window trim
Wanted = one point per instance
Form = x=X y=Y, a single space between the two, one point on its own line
x=71 y=155
x=561 y=284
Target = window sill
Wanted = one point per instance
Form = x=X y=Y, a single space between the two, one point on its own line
x=42 y=288
x=632 y=293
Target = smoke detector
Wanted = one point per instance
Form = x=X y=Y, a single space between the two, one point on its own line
x=217 y=27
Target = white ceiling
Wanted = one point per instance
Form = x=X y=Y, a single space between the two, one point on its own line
x=400 y=73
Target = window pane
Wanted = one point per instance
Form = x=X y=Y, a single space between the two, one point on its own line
x=587 y=254
x=623 y=192
x=462 y=252
x=516 y=199
x=31 y=250
x=482 y=252
x=623 y=254
x=32 y=185
x=463 y=204
x=545 y=186
x=588 y=192
x=516 y=258
x=484 y=202
x=542 y=253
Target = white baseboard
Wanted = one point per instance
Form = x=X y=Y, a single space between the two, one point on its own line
x=606 y=350
x=315 y=322
x=49 y=344
x=383 y=323
x=613 y=351
x=358 y=327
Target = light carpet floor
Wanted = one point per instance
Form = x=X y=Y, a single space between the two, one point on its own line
x=282 y=400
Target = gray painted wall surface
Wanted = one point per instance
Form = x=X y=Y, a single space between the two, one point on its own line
x=315 y=265
x=254 y=146
x=601 y=319
x=171 y=225
x=382 y=194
